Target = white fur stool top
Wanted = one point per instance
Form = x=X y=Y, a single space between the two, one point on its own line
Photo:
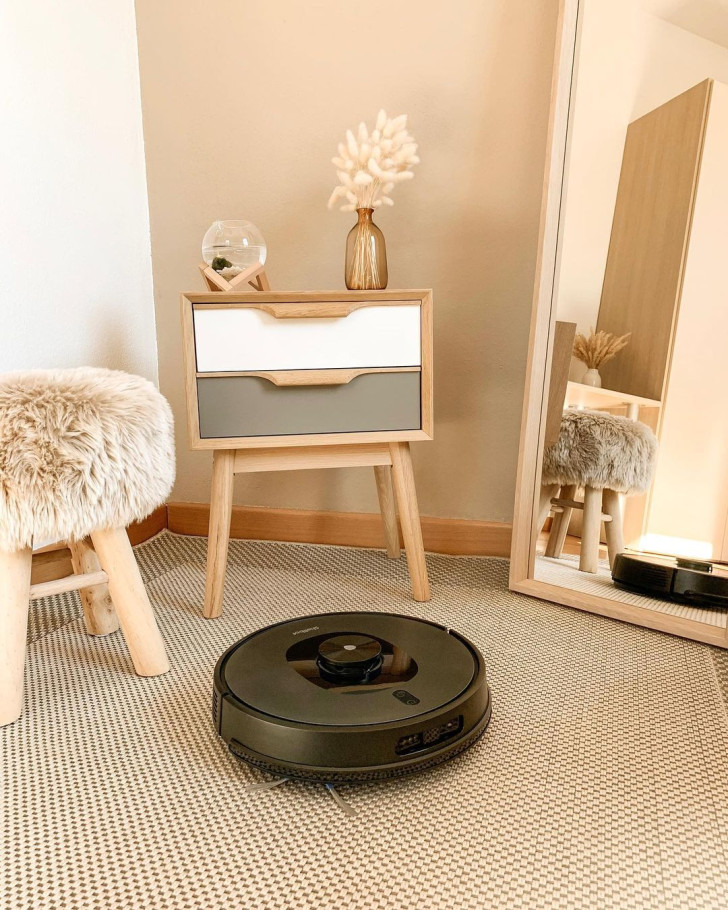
x=80 y=450
x=602 y=451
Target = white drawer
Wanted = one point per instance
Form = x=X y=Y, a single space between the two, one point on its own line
x=229 y=339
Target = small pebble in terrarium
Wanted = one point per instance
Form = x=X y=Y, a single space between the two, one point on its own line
x=231 y=247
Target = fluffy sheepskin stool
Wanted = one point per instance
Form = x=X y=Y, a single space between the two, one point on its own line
x=606 y=455
x=83 y=452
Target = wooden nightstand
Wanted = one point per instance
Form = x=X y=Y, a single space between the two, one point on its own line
x=279 y=382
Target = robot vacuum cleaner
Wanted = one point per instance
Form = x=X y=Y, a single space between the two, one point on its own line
x=350 y=697
x=683 y=579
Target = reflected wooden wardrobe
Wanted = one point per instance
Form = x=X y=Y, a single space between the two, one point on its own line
x=666 y=282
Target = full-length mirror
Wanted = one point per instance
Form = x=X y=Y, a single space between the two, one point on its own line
x=623 y=484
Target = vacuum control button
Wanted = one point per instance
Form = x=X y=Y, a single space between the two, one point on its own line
x=407 y=698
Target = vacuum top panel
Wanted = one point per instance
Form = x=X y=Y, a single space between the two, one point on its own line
x=349 y=669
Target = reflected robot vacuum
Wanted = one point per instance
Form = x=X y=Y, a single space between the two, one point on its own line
x=683 y=579
x=350 y=697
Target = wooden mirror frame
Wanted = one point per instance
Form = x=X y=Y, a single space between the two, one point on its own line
x=540 y=349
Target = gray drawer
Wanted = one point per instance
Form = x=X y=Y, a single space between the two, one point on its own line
x=234 y=406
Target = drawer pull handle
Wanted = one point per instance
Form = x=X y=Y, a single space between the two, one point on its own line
x=285 y=378
x=312 y=377
x=309 y=310
x=320 y=377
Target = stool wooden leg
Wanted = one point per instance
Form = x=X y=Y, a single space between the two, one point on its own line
x=560 y=527
x=589 y=557
x=221 y=510
x=14 y=600
x=613 y=528
x=98 y=609
x=409 y=516
x=131 y=601
x=385 y=491
x=548 y=491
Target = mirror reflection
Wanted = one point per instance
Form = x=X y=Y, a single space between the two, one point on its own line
x=634 y=479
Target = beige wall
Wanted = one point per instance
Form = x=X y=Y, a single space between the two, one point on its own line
x=244 y=104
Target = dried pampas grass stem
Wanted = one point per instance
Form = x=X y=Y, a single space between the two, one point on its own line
x=597 y=348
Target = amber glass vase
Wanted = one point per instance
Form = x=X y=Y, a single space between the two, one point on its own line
x=366 y=255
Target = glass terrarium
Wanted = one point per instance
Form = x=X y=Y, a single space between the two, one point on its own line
x=231 y=247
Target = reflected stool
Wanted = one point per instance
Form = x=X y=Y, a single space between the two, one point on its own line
x=607 y=456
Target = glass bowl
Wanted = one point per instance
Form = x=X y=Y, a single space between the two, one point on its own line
x=231 y=247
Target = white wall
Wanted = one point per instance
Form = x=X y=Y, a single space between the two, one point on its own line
x=630 y=62
x=75 y=260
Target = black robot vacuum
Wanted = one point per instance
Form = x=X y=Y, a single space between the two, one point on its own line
x=350 y=697
x=679 y=578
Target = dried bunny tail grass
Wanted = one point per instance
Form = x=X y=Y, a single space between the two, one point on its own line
x=370 y=165
x=597 y=348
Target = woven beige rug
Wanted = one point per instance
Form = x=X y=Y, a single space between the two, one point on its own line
x=600 y=782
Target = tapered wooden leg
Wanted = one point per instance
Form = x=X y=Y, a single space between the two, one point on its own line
x=221 y=509
x=385 y=491
x=98 y=610
x=548 y=491
x=14 y=599
x=131 y=601
x=589 y=557
x=613 y=528
x=409 y=516
x=560 y=527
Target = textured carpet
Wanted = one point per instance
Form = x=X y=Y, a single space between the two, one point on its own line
x=600 y=782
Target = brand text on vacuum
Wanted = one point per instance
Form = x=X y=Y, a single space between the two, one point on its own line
x=301 y=631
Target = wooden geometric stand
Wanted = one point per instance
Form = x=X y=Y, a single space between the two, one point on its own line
x=254 y=275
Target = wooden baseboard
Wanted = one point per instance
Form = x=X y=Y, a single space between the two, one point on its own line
x=50 y=564
x=148 y=527
x=455 y=536
x=54 y=561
